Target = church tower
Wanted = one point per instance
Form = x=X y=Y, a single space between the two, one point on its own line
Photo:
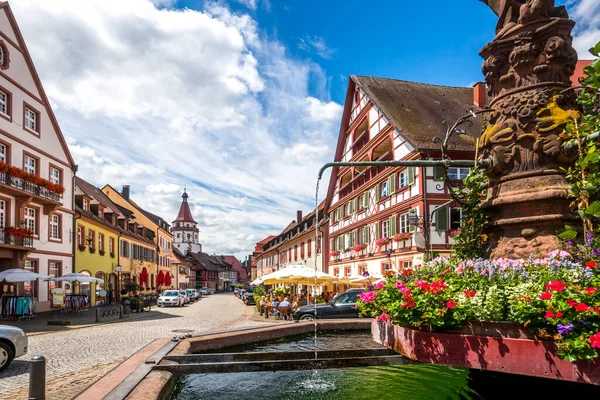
x=185 y=229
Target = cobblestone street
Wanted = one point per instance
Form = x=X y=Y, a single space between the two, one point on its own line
x=79 y=357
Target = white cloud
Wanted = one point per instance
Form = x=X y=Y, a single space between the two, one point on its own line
x=159 y=99
x=587 y=30
x=248 y=3
x=316 y=44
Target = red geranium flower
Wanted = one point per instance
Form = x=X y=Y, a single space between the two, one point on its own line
x=591 y=264
x=571 y=303
x=556 y=286
x=595 y=340
x=450 y=304
x=581 y=307
x=549 y=314
x=470 y=293
x=546 y=295
x=590 y=290
x=558 y=314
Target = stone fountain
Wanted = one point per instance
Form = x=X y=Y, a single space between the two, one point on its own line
x=527 y=68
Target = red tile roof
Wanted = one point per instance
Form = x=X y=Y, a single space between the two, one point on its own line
x=185 y=214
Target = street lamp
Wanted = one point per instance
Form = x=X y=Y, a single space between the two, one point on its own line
x=421 y=223
x=118 y=270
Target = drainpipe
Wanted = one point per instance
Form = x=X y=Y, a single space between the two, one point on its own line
x=118 y=250
x=426 y=220
x=75 y=218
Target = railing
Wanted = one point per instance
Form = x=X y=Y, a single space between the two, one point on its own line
x=15 y=240
x=19 y=183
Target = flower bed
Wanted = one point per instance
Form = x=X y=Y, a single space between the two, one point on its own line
x=556 y=297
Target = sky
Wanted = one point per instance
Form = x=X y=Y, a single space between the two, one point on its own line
x=238 y=101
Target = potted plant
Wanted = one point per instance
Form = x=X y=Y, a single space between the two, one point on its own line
x=132 y=287
x=402 y=236
x=382 y=242
x=357 y=248
x=92 y=250
x=81 y=247
x=334 y=253
x=112 y=255
x=135 y=304
x=101 y=252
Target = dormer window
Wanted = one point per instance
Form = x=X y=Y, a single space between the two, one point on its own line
x=4 y=56
x=85 y=205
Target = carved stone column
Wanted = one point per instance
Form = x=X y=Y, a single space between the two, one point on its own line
x=527 y=69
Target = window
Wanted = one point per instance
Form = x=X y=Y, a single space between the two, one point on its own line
x=80 y=236
x=29 y=164
x=302 y=250
x=55 y=227
x=2 y=216
x=384 y=189
x=404 y=227
x=85 y=205
x=309 y=247
x=100 y=242
x=456 y=215
x=385 y=228
x=296 y=252
x=111 y=246
x=3 y=153
x=53 y=271
x=458 y=173
x=178 y=235
x=347 y=271
x=31 y=120
x=4 y=103
x=91 y=238
x=30 y=219
x=403 y=179
x=55 y=175
x=31 y=266
x=407 y=264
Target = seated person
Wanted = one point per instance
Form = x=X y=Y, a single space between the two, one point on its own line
x=285 y=303
x=275 y=304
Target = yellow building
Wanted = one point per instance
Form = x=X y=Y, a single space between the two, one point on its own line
x=110 y=244
x=163 y=239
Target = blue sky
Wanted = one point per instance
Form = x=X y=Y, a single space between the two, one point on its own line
x=240 y=101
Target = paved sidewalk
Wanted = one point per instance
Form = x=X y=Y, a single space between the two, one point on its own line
x=39 y=324
x=79 y=357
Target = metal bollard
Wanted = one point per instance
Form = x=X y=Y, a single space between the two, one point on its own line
x=37 y=378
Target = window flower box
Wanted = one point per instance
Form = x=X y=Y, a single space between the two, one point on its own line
x=81 y=247
x=402 y=236
x=101 y=252
x=359 y=247
x=334 y=253
x=8 y=172
x=92 y=250
x=382 y=242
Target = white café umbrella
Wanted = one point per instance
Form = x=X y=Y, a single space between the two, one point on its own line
x=368 y=279
x=20 y=275
x=77 y=277
x=257 y=282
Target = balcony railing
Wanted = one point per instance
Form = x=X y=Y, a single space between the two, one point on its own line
x=29 y=187
x=15 y=240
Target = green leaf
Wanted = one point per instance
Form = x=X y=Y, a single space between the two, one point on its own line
x=594 y=209
x=596 y=50
x=568 y=235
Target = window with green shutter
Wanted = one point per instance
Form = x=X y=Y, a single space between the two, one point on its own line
x=376 y=193
x=393 y=230
x=411 y=175
x=441 y=219
x=392 y=184
x=438 y=173
x=366 y=200
x=377 y=231
x=366 y=234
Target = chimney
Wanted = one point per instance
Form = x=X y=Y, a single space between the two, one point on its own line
x=479 y=94
x=125 y=192
x=298 y=216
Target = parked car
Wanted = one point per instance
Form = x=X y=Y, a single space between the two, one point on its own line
x=204 y=291
x=193 y=295
x=211 y=290
x=248 y=298
x=171 y=298
x=343 y=306
x=13 y=344
x=186 y=298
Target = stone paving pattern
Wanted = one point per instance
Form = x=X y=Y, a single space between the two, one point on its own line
x=79 y=357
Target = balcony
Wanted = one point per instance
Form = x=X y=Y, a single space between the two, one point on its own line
x=20 y=187
x=16 y=242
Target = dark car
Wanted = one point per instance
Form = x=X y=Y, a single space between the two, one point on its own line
x=248 y=298
x=343 y=306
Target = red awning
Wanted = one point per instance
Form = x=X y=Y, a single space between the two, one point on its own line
x=167 y=279
x=144 y=278
x=160 y=279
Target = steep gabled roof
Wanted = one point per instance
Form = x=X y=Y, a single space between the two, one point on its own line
x=206 y=261
x=38 y=83
x=185 y=214
x=95 y=193
x=417 y=110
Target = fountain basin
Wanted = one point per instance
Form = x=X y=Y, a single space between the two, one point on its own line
x=503 y=348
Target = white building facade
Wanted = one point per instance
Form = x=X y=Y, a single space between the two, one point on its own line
x=36 y=171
